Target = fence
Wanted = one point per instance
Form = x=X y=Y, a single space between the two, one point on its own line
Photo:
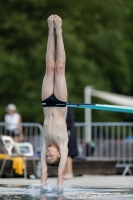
x=110 y=141
x=32 y=133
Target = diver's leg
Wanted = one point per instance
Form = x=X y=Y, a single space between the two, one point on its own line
x=60 y=88
x=48 y=81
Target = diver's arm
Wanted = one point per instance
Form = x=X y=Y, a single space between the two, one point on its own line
x=61 y=169
x=43 y=167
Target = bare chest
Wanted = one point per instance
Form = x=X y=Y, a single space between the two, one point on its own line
x=56 y=134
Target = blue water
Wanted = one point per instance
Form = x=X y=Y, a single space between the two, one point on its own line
x=32 y=192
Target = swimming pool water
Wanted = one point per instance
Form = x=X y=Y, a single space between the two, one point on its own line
x=32 y=192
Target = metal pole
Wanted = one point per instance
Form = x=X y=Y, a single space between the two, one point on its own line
x=87 y=99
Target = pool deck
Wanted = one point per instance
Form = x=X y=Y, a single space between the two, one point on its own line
x=101 y=181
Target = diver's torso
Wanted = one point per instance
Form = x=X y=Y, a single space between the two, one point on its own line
x=55 y=130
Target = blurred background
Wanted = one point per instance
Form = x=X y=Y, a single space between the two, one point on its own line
x=98 y=41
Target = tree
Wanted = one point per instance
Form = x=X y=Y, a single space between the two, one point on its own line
x=98 y=43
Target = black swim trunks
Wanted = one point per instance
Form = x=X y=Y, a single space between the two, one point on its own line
x=52 y=101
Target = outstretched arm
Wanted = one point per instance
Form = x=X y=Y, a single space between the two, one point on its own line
x=43 y=167
x=62 y=165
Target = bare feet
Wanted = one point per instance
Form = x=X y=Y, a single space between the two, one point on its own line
x=68 y=169
x=50 y=22
x=68 y=176
x=57 y=21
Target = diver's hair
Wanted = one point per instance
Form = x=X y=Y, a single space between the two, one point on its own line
x=54 y=164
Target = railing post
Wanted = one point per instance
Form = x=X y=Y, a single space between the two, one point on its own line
x=87 y=99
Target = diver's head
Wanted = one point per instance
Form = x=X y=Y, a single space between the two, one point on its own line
x=52 y=155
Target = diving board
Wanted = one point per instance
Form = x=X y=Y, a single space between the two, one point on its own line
x=105 y=107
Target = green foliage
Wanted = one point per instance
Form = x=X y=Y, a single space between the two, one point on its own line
x=98 y=43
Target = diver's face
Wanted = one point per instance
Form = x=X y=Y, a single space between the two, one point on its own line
x=52 y=154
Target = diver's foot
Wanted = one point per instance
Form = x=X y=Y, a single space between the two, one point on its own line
x=50 y=23
x=57 y=21
x=68 y=176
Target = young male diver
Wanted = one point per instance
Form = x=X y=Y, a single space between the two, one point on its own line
x=54 y=98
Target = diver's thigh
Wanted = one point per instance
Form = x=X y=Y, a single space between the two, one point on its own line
x=60 y=87
x=47 y=86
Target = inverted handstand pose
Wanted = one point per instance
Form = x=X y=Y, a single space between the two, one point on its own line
x=54 y=97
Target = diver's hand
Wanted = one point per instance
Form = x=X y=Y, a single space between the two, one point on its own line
x=43 y=188
x=59 y=189
x=47 y=188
